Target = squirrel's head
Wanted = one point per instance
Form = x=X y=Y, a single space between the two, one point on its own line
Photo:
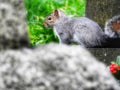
x=52 y=18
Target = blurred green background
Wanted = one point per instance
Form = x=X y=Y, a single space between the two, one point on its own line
x=37 y=10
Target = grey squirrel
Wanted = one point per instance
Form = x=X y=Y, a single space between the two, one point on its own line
x=80 y=30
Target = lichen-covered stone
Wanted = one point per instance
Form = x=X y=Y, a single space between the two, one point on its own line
x=53 y=67
x=102 y=10
x=13 y=33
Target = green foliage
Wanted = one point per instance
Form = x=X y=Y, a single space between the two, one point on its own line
x=37 y=10
x=118 y=60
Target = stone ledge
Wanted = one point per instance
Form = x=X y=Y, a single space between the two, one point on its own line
x=53 y=67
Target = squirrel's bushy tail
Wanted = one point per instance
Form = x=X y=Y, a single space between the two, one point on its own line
x=112 y=27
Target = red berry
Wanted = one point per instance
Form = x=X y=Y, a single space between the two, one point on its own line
x=118 y=67
x=113 y=68
x=114 y=71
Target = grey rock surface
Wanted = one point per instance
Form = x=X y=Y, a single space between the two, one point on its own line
x=13 y=33
x=53 y=67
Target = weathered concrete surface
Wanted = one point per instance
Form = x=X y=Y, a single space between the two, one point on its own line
x=102 y=10
x=13 y=33
x=106 y=55
x=53 y=67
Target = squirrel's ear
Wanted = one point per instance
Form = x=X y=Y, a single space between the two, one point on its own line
x=56 y=13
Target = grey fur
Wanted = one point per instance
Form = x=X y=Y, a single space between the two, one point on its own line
x=80 y=30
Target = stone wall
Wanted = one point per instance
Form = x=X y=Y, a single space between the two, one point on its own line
x=44 y=67
x=13 y=33
x=106 y=55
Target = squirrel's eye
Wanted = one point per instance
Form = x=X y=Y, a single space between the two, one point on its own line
x=49 y=18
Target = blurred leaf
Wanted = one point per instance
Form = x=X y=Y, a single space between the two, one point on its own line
x=118 y=60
